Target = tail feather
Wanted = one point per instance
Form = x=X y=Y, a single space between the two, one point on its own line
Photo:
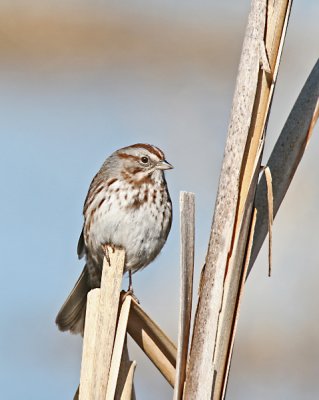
x=71 y=317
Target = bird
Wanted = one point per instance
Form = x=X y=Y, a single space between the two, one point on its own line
x=127 y=206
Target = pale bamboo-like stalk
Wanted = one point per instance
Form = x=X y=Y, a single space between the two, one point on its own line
x=128 y=389
x=108 y=309
x=222 y=275
x=153 y=341
x=118 y=348
x=187 y=240
x=86 y=390
x=125 y=387
x=241 y=289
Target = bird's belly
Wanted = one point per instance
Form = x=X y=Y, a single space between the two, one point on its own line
x=141 y=231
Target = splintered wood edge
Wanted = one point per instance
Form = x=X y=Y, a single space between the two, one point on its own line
x=187 y=231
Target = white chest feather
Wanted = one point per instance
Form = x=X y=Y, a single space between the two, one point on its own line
x=135 y=218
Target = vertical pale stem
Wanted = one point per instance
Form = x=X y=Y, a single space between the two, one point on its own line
x=118 y=348
x=187 y=228
x=106 y=325
x=89 y=344
x=222 y=275
x=123 y=381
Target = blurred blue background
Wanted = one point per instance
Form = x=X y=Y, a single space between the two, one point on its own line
x=79 y=80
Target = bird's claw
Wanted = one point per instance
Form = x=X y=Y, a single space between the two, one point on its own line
x=130 y=292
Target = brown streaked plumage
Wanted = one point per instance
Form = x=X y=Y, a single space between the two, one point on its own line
x=124 y=155
x=152 y=149
x=127 y=205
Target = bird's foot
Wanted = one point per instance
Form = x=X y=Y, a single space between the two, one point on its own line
x=130 y=292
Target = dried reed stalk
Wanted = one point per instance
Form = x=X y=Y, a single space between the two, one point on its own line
x=153 y=341
x=187 y=231
x=118 y=348
x=125 y=387
x=220 y=287
x=287 y=155
x=99 y=333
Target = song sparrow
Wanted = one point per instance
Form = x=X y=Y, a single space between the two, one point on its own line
x=128 y=206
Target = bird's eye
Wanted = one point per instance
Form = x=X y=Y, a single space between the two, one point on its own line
x=145 y=160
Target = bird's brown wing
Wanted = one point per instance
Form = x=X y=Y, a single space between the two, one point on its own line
x=71 y=317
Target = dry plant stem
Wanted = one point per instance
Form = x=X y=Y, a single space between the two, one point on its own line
x=286 y=156
x=118 y=348
x=270 y=201
x=108 y=309
x=128 y=389
x=124 y=378
x=153 y=341
x=221 y=277
x=275 y=29
x=241 y=291
x=187 y=221
x=89 y=345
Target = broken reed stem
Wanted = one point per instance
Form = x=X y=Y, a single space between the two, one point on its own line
x=241 y=291
x=128 y=389
x=102 y=312
x=220 y=285
x=153 y=341
x=86 y=389
x=125 y=387
x=187 y=232
x=108 y=308
x=286 y=156
x=118 y=348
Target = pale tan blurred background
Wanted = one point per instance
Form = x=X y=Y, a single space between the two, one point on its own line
x=81 y=79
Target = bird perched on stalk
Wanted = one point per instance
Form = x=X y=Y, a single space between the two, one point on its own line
x=127 y=206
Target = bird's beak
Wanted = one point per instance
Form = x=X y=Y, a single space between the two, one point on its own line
x=164 y=165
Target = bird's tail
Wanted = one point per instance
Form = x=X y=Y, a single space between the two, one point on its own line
x=71 y=317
